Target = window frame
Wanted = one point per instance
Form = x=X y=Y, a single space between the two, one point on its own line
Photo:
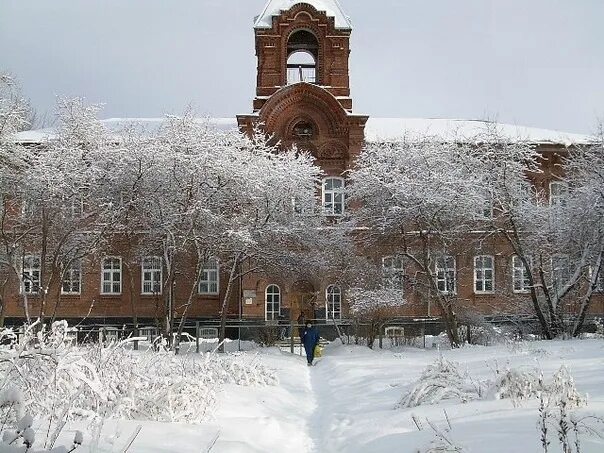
x=393 y=277
x=31 y=270
x=67 y=277
x=446 y=270
x=330 y=300
x=206 y=279
x=113 y=272
x=483 y=270
x=275 y=315
x=153 y=282
x=520 y=274
x=560 y=198
x=555 y=284
x=333 y=193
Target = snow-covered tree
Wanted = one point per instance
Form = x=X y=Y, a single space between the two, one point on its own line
x=419 y=196
x=544 y=205
x=14 y=117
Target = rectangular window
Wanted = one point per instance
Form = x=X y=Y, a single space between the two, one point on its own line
x=151 y=275
x=446 y=274
x=558 y=192
x=520 y=276
x=484 y=274
x=600 y=281
x=333 y=196
x=392 y=272
x=485 y=209
x=111 y=276
x=31 y=274
x=560 y=272
x=209 y=281
x=72 y=278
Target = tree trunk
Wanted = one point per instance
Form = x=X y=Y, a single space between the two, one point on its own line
x=225 y=302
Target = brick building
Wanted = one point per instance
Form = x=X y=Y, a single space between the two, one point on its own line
x=303 y=97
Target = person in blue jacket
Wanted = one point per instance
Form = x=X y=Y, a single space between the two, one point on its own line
x=310 y=339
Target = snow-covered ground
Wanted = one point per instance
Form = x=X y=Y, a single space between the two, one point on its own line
x=347 y=402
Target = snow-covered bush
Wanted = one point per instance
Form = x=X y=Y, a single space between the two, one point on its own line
x=61 y=381
x=516 y=385
x=442 y=380
x=22 y=439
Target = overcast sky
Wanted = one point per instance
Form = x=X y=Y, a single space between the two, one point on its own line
x=527 y=62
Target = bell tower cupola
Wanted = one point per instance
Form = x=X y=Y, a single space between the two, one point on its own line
x=302 y=41
x=302 y=82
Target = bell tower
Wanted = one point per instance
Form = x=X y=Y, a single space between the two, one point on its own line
x=303 y=85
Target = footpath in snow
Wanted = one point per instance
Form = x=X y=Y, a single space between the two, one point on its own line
x=347 y=403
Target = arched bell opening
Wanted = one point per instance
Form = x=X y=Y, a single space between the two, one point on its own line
x=302 y=57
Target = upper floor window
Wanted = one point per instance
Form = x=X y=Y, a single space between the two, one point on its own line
x=302 y=56
x=560 y=271
x=209 y=280
x=151 y=275
x=446 y=274
x=333 y=299
x=333 y=196
x=111 y=279
x=31 y=274
x=520 y=276
x=392 y=272
x=485 y=209
x=72 y=278
x=484 y=274
x=558 y=192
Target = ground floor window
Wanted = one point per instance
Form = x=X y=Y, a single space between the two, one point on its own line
x=273 y=302
x=520 y=276
x=72 y=278
x=31 y=274
x=446 y=274
x=209 y=281
x=112 y=276
x=151 y=275
x=333 y=298
x=484 y=274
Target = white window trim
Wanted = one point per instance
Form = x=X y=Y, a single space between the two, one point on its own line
x=69 y=270
x=523 y=271
x=446 y=269
x=553 y=282
x=480 y=212
x=275 y=315
x=161 y=276
x=333 y=192
x=558 y=199
x=492 y=269
x=208 y=281
x=600 y=282
x=31 y=270
x=392 y=271
x=104 y=293
x=332 y=312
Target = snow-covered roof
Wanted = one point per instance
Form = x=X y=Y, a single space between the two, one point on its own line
x=377 y=129
x=274 y=8
x=464 y=131
x=118 y=125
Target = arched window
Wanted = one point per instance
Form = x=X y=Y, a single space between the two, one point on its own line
x=333 y=196
x=302 y=56
x=333 y=302
x=273 y=302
